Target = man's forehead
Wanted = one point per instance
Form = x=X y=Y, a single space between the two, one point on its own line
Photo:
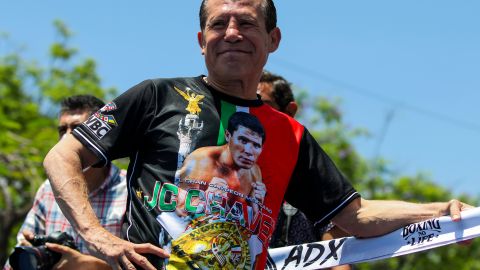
x=74 y=115
x=242 y=130
x=265 y=88
x=230 y=7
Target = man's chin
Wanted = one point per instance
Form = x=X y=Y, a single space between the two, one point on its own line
x=245 y=166
x=234 y=67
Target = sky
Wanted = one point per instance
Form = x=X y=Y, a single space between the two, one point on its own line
x=407 y=71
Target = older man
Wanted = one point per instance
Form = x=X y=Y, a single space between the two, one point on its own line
x=158 y=123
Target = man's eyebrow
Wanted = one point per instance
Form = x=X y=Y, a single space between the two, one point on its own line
x=215 y=18
x=237 y=16
x=246 y=138
x=247 y=17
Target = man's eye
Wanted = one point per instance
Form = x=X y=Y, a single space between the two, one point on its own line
x=74 y=126
x=61 y=132
x=246 y=23
x=217 y=24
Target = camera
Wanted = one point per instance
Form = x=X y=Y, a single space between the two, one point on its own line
x=39 y=256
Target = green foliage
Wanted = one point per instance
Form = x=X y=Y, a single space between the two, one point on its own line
x=374 y=180
x=25 y=136
x=324 y=121
x=29 y=99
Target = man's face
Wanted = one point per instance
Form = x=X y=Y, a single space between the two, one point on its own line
x=245 y=146
x=265 y=90
x=235 y=41
x=70 y=120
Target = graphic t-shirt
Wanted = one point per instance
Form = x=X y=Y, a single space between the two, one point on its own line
x=208 y=172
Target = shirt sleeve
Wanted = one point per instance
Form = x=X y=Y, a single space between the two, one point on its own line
x=317 y=187
x=116 y=130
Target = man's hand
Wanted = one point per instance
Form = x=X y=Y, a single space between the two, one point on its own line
x=214 y=187
x=121 y=254
x=259 y=191
x=72 y=259
x=28 y=235
x=455 y=207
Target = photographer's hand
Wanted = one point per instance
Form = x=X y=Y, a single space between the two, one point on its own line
x=72 y=259
x=28 y=235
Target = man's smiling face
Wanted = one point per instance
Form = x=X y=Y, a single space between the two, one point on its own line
x=235 y=41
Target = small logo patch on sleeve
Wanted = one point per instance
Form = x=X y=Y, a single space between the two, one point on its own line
x=111 y=106
x=98 y=127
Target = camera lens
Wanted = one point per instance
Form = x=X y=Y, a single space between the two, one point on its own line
x=24 y=258
x=38 y=256
x=30 y=258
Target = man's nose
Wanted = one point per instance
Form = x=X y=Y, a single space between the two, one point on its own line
x=249 y=148
x=233 y=33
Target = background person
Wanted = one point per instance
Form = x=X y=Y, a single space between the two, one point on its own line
x=107 y=193
x=293 y=227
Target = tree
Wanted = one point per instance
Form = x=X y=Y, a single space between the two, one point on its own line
x=30 y=95
x=24 y=135
x=324 y=120
x=375 y=180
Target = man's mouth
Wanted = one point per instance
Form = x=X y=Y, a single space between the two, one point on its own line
x=233 y=51
x=247 y=161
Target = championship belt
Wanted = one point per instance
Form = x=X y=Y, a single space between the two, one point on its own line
x=216 y=245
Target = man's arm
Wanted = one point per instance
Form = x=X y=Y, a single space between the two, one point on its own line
x=63 y=165
x=369 y=218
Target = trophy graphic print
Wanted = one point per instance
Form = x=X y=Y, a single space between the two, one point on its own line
x=190 y=126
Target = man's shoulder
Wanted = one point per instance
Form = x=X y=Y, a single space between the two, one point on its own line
x=161 y=86
x=206 y=153
x=276 y=115
x=204 y=157
x=45 y=187
x=159 y=82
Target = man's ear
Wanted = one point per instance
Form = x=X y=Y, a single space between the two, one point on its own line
x=291 y=108
x=201 y=42
x=227 y=136
x=275 y=37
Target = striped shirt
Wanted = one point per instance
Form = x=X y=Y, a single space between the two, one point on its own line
x=108 y=202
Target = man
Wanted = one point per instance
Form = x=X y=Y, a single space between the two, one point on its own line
x=227 y=187
x=293 y=227
x=276 y=92
x=232 y=165
x=106 y=193
x=144 y=123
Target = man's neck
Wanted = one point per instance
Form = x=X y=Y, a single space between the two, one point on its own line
x=243 y=89
x=226 y=158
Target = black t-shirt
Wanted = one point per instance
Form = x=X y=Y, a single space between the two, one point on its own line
x=208 y=172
